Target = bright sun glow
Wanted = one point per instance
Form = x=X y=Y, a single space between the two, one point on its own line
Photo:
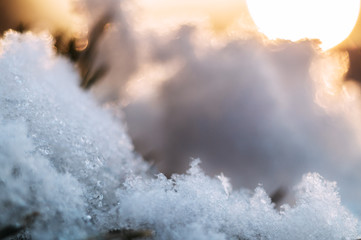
x=330 y=21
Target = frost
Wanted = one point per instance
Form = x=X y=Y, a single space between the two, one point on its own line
x=67 y=165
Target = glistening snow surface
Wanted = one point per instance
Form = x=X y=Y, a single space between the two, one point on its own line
x=195 y=206
x=61 y=126
x=69 y=161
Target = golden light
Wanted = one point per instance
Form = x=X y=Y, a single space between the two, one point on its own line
x=219 y=14
x=330 y=21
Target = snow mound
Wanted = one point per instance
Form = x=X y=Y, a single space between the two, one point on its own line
x=68 y=170
x=195 y=206
x=62 y=138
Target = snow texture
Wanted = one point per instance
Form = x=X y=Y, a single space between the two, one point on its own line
x=63 y=129
x=194 y=206
x=70 y=163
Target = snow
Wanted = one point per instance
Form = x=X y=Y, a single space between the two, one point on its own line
x=70 y=163
x=61 y=126
x=260 y=112
x=195 y=206
x=30 y=185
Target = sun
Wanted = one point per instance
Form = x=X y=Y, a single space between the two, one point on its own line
x=330 y=21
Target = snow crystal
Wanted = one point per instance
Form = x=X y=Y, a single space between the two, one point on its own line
x=225 y=183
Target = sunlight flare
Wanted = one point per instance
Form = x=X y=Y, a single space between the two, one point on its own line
x=330 y=21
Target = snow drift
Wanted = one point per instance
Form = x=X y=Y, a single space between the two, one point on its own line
x=69 y=163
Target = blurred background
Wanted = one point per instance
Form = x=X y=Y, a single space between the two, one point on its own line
x=197 y=79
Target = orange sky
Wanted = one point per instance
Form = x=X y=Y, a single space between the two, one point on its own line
x=354 y=39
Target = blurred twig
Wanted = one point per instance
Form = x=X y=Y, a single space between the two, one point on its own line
x=124 y=234
x=86 y=60
x=278 y=195
x=14 y=230
x=10 y=230
x=86 y=57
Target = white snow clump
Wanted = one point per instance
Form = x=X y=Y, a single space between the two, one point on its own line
x=58 y=144
x=195 y=206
